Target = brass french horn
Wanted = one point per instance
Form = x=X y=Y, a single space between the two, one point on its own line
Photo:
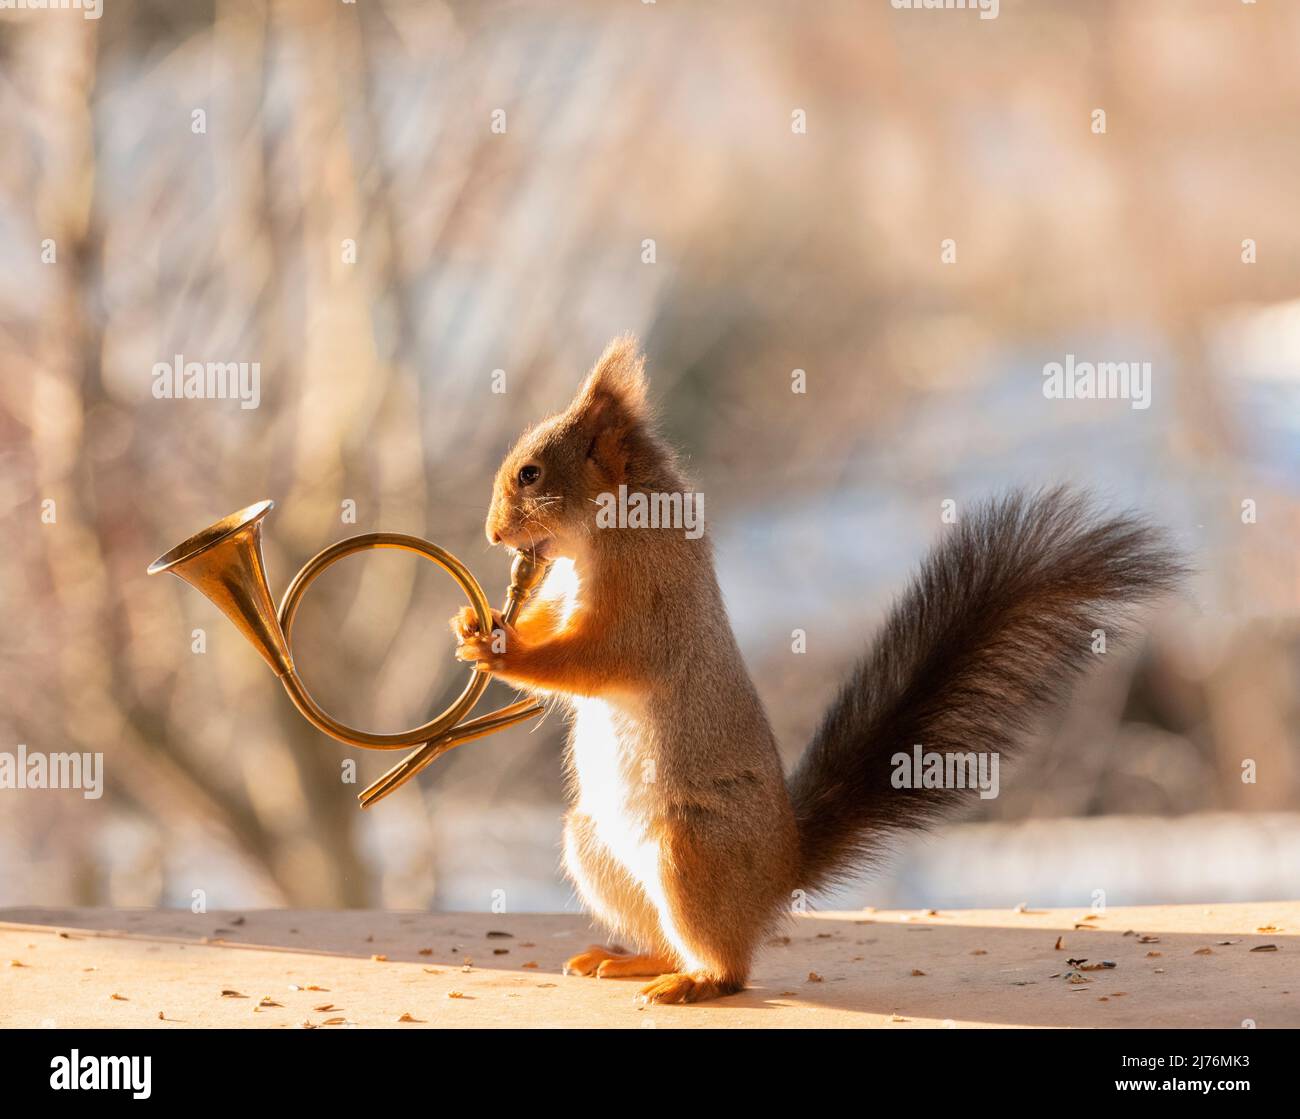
x=224 y=561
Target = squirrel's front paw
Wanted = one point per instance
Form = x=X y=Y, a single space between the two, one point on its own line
x=474 y=646
x=464 y=623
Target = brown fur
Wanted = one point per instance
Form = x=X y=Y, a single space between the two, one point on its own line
x=683 y=837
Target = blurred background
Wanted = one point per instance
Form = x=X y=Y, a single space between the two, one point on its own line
x=386 y=203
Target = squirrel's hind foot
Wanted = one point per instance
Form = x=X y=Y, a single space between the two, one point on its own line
x=680 y=986
x=590 y=961
x=615 y=963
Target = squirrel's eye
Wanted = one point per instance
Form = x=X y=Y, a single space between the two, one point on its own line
x=529 y=474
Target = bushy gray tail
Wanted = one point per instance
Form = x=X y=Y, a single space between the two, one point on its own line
x=995 y=628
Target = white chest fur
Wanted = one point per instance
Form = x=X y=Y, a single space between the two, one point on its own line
x=611 y=766
x=608 y=767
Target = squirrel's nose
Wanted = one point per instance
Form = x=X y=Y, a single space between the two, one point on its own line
x=493 y=536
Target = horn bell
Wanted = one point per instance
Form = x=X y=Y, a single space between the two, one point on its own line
x=224 y=561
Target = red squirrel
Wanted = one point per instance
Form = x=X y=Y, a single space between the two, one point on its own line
x=684 y=835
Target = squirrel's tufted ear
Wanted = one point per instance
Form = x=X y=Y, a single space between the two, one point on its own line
x=611 y=405
x=615 y=389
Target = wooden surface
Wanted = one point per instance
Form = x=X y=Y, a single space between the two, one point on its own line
x=992 y=968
